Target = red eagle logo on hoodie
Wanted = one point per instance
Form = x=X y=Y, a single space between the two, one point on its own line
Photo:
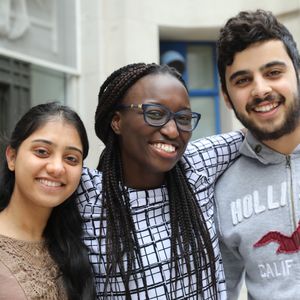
x=287 y=244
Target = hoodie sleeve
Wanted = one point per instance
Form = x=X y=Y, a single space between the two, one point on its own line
x=233 y=262
x=234 y=271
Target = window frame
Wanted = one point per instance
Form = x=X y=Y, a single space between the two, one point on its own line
x=182 y=48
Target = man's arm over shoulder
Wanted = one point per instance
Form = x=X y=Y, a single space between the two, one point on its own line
x=215 y=153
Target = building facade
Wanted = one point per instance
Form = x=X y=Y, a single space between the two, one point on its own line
x=64 y=49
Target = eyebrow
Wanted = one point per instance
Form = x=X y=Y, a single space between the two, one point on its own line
x=50 y=143
x=266 y=66
x=273 y=63
x=237 y=74
x=156 y=102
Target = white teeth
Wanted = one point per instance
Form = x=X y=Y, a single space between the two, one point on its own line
x=166 y=147
x=50 y=183
x=266 y=108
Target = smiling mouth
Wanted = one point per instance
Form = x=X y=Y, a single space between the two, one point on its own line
x=50 y=183
x=266 y=108
x=165 y=147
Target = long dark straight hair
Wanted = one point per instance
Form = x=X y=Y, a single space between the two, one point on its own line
x=63 y=233
x=189 y=232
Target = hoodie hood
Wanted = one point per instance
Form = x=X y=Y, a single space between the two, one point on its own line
x=253 y=148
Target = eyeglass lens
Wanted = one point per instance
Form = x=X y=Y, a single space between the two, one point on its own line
x=156 y=115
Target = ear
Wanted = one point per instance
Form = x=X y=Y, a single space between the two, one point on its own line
x=11 y=155
x=227 y=100
x=116 y=123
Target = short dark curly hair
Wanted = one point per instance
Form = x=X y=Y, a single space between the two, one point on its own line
x=247 y=28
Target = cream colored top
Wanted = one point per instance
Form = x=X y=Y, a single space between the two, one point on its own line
x=28 y=272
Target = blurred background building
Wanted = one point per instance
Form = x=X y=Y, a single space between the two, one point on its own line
x=64 y=49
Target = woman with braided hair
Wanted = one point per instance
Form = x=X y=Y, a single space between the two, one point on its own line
x=148 y=207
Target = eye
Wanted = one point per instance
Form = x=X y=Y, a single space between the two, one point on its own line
x=274 y=73
x=242 y=81
x=184 y=118
x=155 y=113
x=41 y=152
x=73 y=160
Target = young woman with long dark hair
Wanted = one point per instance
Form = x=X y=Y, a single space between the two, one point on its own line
x=42 y=255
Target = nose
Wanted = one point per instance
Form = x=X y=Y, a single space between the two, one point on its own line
x=261 y=88
x=55 y=167
x=170 y=129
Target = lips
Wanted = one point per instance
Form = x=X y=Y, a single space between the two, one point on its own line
x=269 y=103
x=165 y=147
x=266 y=108
x=50 y=183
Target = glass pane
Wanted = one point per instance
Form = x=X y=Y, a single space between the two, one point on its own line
x=22 y=86
x=46 y=85
x=200 y=67
x=206 y=125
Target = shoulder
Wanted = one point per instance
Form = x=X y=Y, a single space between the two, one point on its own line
x=90 y=179
x=213 y=142
x=89 y=189
x=234 y=177
x=211 y=150
x=89 y=174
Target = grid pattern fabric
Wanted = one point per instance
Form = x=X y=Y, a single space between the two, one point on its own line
x=204 y=161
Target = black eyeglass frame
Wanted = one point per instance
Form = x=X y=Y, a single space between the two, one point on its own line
x=170 y=115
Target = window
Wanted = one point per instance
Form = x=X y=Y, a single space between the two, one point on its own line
x=200 y=74
x=23 y=85
x=14 y=92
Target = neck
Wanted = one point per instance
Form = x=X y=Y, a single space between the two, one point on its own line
x=144 y=180
x=146 y=184
x=285 y=144
x=138 y=176
x=19 y=222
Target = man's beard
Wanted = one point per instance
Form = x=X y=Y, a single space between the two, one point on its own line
x=292 y=118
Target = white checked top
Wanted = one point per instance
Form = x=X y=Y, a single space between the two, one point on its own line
x=204 y=161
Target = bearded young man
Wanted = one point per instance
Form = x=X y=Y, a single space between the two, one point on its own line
x=257 y=198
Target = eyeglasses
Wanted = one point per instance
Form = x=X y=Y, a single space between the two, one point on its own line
x=158 y=115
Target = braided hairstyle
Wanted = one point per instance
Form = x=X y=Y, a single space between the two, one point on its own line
x=190 y=239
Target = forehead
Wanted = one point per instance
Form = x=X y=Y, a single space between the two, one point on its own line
x=57 y=130
x=258 y=55
x=161 y=87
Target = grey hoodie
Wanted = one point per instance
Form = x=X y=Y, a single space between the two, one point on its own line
x=258 y=210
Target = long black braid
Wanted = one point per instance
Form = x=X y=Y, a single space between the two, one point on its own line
x=190 y=239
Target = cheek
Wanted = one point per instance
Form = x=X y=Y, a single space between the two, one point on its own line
x=288 y=90
x=133 y=128
x=239 y=98
x=25 y=166
x=136 y=130
x=186 y=136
